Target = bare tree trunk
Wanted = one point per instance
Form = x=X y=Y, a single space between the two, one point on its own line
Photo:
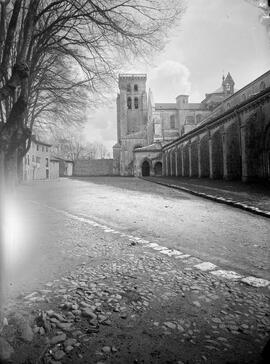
x=2 y=261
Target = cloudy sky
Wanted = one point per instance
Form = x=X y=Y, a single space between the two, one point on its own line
x=214 y=37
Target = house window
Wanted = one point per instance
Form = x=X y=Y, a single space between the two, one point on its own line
x=38 y=161
x=47 y=162
x=129 y=103
x=228 y=87
x=42 y=148
x=228 y=105
x=172 y=121
x=37 y=147
x=128 y=87
x=136 y=103
x=136 y=88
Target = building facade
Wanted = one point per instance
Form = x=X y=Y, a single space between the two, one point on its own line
x=232 y=143
x=225 y=136
x=38 y=164
x=132 y=119
x=143 y=127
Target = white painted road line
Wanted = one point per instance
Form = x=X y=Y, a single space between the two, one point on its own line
x=226 y=274
x=205 y=266
x=255 y=282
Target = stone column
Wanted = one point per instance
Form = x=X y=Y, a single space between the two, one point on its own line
x=244 y=153
x=224 y=154
x=176 y=162
x=163 y=163
x=210 y=157
x=189 y=159
x=182 y=159
x=199 y=158
x=166 y=163
x=171 y=166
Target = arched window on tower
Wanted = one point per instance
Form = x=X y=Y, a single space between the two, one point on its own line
x=136 y=88
x=172 y=122
x=136 y=103
x=128 y=87
x=129 y=103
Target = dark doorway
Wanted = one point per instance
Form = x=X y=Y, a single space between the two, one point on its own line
x=158 y=169
x=145 y=169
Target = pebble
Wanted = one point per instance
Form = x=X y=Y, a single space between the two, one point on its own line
x=68 y=348
x=87 y=312
x=58 y=339
x=106 y=349
x=70 y=342
x=59 y=354
x=170 y=325
x=64 y=326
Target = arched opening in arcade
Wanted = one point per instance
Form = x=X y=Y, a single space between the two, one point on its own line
x=145 y=169
x=158 y=169
x=204 y=151
x=194 y=159
x=217 y=155
x=266 y=154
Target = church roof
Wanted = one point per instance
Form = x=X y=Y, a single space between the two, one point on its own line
x=166 y=106
x=193 y=106
x=155 y=147
x=218 y=90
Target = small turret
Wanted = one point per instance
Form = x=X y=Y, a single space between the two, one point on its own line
x=228 y=84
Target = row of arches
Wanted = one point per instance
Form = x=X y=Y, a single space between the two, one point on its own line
x=146 y=168
x=207 y=156
x=234 y=152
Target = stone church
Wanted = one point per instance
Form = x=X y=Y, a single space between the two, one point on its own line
x=144 y=128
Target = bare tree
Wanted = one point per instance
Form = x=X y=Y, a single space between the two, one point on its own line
x=44 y=41
x=71 y=145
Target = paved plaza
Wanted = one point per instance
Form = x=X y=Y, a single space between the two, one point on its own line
x=121 y=270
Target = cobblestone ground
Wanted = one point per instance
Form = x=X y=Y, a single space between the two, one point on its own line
x=127 y=303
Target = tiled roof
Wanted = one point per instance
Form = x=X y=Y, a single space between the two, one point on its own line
x=165 y=106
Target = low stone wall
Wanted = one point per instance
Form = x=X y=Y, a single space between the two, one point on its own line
x=93 y=167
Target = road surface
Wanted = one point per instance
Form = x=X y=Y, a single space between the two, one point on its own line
x=76 y=240
x=228 y=237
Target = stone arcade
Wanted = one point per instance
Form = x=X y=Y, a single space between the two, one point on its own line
x=226 y=136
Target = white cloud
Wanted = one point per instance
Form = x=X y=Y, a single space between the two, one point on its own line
x=169 y=80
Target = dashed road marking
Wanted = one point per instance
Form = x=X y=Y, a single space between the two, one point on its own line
x=256 y=282
x=226 y=274
x=204 y=266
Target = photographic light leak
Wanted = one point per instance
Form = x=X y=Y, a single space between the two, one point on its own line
x=15 y=233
